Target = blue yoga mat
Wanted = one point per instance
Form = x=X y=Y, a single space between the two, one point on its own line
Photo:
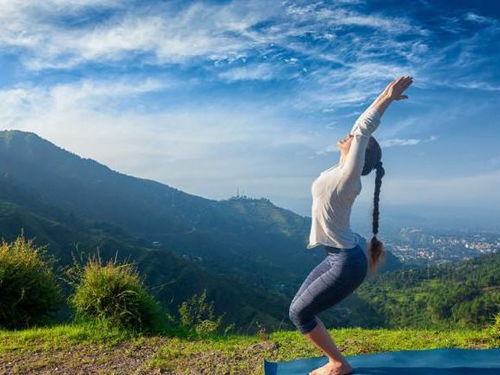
x=444 y=361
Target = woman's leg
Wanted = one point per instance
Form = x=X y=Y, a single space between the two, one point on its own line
x=301 y=324
x=337 y=363
x=334 y=279
x=317 y=271
x=320 y=337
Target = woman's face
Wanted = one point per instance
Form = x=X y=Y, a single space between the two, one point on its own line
x=345 y=143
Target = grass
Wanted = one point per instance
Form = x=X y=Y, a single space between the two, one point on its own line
x=59 y=337
x=94 y=349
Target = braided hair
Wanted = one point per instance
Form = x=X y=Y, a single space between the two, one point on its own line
x=373 y=160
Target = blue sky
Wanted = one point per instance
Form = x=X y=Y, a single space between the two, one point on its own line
x=209 y=96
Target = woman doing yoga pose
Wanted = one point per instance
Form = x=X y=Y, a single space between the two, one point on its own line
x=347 y=261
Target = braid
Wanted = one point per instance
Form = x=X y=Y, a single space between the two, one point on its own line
x=376 y=197
x=376 y=248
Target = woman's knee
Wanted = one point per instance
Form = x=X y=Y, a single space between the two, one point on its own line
x=292 y=313
x=301 y=318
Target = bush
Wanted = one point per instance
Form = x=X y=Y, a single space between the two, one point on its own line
x=198 y=314
x=115 y=294
x=29 y=294
x=495 y=327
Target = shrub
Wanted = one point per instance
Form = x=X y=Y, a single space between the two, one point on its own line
x=29 y=293
x=113 y=293
x=198 y=314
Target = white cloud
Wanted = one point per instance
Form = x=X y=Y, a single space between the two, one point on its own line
x=225 y=33
x=249 y=72
x=405 y=142
x=167 y=34
x=470 y=16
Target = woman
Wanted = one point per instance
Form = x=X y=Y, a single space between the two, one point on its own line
x=346 y=264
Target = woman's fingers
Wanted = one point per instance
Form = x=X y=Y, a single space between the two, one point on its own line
x=398 y=86
x=405 y=83
x=400 y=79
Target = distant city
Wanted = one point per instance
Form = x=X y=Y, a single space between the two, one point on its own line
x=419 y=247
x=422 y=247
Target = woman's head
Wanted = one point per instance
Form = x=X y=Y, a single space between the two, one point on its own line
x=372 y=156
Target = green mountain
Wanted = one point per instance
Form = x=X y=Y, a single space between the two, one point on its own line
x=261 y=243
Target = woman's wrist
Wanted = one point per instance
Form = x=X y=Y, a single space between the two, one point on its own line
x=386 y=96
x=382 y=103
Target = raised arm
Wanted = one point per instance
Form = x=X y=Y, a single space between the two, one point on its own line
x=363 y=128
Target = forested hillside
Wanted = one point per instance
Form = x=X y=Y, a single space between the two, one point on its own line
x=171 y=278
x=457 y=294
x=251 y=238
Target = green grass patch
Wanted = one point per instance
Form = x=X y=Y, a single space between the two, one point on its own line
x=244 y=354
x=77 y=345
x=61 y=337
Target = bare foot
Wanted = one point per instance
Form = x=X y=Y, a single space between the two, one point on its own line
x=333 y=368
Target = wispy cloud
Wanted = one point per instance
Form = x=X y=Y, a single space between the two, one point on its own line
x=250 y=72
x=470 y=16
x=272 y=34
x=405 y=142
x=224 y=31
x=166 y=34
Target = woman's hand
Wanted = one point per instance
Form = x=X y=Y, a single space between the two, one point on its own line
x=395 y=89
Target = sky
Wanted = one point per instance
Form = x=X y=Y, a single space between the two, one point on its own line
x=214 y=96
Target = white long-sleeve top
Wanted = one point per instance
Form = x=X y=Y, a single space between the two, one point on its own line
x=334 y=191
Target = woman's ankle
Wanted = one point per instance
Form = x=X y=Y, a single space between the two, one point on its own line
x=336 y=361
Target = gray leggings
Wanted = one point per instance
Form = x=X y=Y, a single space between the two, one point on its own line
x=336 y=277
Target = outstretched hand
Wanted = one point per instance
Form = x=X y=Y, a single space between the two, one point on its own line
x=395 y=89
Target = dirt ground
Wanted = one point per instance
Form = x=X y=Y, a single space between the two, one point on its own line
x=134 y=358
x=124 y=358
